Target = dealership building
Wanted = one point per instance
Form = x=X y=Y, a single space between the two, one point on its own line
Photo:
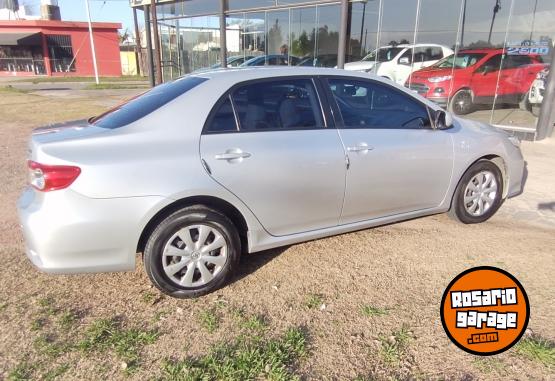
x=511 y=87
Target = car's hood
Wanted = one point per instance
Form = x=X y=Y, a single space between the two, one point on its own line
x=480 y=127
x=360 y=65
x=429 y=72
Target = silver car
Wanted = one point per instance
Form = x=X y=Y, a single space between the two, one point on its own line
x=194 y=172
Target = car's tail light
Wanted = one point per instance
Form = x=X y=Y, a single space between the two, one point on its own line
x=47 y=178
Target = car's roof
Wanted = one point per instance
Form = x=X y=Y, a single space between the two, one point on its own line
x=482 y=50
x=411 y=46
x=246 y=73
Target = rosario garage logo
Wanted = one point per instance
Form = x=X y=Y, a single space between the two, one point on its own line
x=485 y=310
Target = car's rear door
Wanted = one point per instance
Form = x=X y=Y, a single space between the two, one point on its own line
x=397 y=162
x=268 y=143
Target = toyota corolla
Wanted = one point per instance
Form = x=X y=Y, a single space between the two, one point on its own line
x=199 y=170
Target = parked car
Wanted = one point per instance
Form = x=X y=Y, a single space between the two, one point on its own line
x=233 y=61
x=272 y=60
x=396 y=62
x=322 y=60
x=471 y=78
x=194 y=172
x=533 y=100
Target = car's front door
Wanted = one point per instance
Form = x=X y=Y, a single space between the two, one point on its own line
x=397 y=162
x=484 y=79
x=267 y=143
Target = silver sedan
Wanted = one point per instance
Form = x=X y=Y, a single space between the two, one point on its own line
x=196 y=171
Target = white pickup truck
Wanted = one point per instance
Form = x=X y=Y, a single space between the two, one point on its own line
x=398 y=62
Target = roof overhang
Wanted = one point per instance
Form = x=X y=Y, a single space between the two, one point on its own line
x=22 y=39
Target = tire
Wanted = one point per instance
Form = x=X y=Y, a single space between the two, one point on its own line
x=469 y=212
x=218 y=253
x=524 y=103
x=461 y=103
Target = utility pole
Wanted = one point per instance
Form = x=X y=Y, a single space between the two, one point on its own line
x=137 y=41
x=156 y=42
x=342 y=34
x=496 y=9
x=92 y=42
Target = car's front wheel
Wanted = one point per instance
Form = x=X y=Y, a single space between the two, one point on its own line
x=461 y=103
x=479 y=193
x=192 y=252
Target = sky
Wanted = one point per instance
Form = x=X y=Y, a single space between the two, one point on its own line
x=101 y=10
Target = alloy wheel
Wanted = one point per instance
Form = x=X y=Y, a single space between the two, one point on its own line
x=194 y=255
x=462 y=103
x=480 y=193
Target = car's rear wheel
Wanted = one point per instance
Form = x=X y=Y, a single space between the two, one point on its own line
x=479 y=193
x=461 y=103
x=192 y=252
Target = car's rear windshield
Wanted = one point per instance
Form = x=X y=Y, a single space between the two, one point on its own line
x=142 y=105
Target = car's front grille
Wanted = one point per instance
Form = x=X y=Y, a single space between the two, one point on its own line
x=420 y=88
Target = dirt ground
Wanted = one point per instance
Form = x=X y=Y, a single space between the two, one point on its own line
x=366 y=302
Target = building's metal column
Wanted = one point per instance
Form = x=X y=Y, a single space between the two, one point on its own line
x=342 y=34
x=223 y=39
x=150 y=58
x=547 y=112
x=157 y=50
x=137 y=42
x=46 y=55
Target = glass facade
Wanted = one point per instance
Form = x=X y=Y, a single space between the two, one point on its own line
x=485 y=59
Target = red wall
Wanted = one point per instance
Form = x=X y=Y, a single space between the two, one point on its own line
x=105 y=39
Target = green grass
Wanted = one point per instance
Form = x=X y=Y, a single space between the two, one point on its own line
x=53 y=374
x=47 y=306
x=114 y=86
x=314 y=301
x=11 y=89
x=537 y=349
x=46 y=345
x=248 y=357
x=395 y=345
x=22 y=372
x=3 y=306
x=107 y=334
x=489 y=365
x=371 y=311
x=67 y=319
x=149 y=297
x=254 y=323
x=209 y=320
x=123 y=78
x=37 y=324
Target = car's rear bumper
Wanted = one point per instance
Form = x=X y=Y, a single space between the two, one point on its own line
x=66 y=232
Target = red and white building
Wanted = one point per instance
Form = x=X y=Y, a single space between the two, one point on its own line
x=58 y=48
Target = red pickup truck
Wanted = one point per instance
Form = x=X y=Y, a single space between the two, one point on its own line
x=471 y=78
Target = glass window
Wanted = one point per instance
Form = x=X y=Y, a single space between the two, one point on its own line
x=146 y=103
x=461 y=61
x=427 y=53
x=364 y=104
x=514 y=62
x=383 y=54
x=275 y=105
x=224 y=118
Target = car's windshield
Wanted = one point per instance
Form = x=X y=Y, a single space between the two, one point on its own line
x=143 y=104
x=461 y=61
x=383 y=54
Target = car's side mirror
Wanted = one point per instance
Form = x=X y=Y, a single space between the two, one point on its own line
x=443 y=120
x=404 y=61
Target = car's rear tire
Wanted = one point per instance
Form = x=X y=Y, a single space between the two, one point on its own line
x=479 y=193
x=461 y=102
x=192 y=252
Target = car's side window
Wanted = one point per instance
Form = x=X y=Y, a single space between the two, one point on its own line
x=491 y=65
x=223 y=119
x=365 y=104
x=514 y=62
x=277 y=105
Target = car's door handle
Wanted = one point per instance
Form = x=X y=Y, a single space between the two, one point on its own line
x=360 y=147
x=232 y=154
